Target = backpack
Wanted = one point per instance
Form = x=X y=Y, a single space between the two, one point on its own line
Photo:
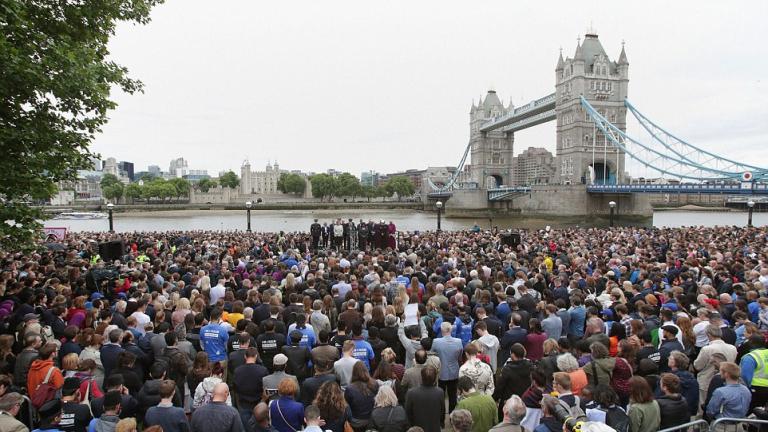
x=574 y=411
x=616 y=418
x=44 y=391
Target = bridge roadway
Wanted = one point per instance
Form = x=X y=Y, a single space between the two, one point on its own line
x=504 y=193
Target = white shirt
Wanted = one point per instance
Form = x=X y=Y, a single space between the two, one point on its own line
x=700 y=331
x=217 y=292
x=141 y=319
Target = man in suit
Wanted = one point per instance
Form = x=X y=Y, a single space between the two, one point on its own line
x=10 y=404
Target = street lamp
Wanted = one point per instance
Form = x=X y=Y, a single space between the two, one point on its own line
x=612 y=205
x=439 y=206
x=248 y=205
x=751 y=205
x=110 y=207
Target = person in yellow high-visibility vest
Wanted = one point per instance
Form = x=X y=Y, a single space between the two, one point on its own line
x=754 y=372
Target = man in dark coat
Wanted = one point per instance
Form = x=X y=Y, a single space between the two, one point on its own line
x=515 y=376
x=425 y=405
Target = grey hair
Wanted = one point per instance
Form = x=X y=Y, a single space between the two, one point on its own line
x=461 y=420
x=446 y=327
x=567 y=362
x=385 y=397
x=714 y=332
x=514 y=408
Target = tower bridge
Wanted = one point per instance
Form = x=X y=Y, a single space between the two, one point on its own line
x=590 y=105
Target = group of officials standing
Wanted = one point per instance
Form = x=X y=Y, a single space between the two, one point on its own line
x=348 y=236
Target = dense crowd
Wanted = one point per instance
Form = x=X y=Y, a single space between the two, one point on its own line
x=638 y=328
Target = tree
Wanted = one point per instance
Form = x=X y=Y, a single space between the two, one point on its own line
x=182 y=187
x=206 y=184
x=113 y=192
x=133 y=191
x=349 y=185
x=291 y=183
x=111 y=187
x=369 y=192
x=402 y=186
x=109 y=180
x=230 y=180
x=324 y=185
x=54 y=98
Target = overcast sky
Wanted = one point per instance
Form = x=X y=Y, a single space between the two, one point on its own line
x=387 y=86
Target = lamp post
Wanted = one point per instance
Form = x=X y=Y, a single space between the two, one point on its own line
x=110 y=207
x=612 y=205
x=439 y=206
x=751 y=205
x=248 y=205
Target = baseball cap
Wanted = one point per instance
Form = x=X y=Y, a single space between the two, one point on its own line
x=31 y=316
x=671 y=329
x=280 y=360
x=97 y=296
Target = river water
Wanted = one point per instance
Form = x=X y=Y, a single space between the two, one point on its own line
x=299 y=220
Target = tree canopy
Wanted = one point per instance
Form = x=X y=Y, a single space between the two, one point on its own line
x=206 y=184
x=55 y=83
x=230 y=180
x=324 y=186
x=291 y=183
x=402 y=186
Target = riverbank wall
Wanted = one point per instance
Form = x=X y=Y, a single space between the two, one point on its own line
x=297 y=205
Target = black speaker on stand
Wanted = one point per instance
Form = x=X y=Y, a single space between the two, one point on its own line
x=510 y=239
x=112 y=250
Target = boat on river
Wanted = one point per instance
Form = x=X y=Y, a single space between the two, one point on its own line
x=80 y=215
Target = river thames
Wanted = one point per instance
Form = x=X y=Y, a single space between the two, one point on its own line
x=299 y=220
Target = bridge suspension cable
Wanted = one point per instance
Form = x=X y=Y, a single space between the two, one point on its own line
x=652 y=158
x=449 y=186
x=690 y=152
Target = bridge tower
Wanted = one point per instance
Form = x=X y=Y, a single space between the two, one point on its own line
x=491 y=152
x=583 y=154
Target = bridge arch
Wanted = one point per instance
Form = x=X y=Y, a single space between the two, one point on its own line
x=601 y=173
x=493 y=181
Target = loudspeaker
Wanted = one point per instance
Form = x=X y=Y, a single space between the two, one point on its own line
x=510 y=239
x=112 y=250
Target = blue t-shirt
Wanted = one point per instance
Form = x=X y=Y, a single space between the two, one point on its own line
x=363 y=352
x=213 y=339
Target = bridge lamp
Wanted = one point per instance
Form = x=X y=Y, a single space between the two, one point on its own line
x=439 y=206
x=248 y=206
x=110 y=208
x=612 y=205
x=751 y=206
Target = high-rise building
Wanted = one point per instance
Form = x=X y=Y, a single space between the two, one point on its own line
x=535 y=165
x=178 y=167
x=154 y=170
x=126 y=169
x=369 y=178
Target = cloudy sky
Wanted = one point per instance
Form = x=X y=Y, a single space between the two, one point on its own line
x=387 y=86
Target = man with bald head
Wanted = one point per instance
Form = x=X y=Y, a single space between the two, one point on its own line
x=217 y=416
x=259 y=422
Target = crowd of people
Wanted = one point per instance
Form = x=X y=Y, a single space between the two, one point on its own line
x=638 y=328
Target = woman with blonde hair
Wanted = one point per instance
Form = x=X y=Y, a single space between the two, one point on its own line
x=183 y=308
x=387 y=415
x=205 y=284
x=127 y=425
x=69 y=365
